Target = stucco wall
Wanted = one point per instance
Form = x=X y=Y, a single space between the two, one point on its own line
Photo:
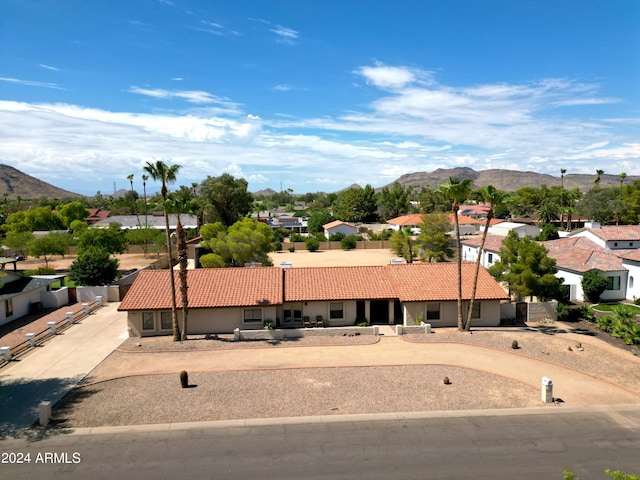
x=489 y=314
x=633 y=282
x=55 y=298
x=89 y=294
x=539 y=311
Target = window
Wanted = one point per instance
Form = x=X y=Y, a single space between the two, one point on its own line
x=292 y=313
x=8 y=307
x=615 y=244
x=336 y=310
x=631 y=244
x=614 y=283
x=630 y=282
x=490 y=258
x=252 y=315
x=433 y=311
x=148 y=321
x=166 y=321
x=476 y=310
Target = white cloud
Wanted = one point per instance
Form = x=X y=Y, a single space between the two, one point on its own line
x=48 y=67
x=285 y=32
x=31 y=83
x=387 y=77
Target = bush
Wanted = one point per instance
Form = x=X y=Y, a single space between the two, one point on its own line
x=211 y=260
x=348 y=243
x=564 y=312
x=292 y=248
x=296 y=237
x=94 y=267
x=336 y=237
x=41 y=271
x=277 y=246
x=312 y=244
x=637 y=301
x=586 y=314
x=593 y=285
x=268 y=324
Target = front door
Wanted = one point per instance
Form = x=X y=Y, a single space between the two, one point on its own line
x=292 y=315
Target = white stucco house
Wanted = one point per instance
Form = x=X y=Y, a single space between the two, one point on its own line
x=20 y=295
x=631 y=261
x=339 y=226
x=611 y=237
x=522 y=229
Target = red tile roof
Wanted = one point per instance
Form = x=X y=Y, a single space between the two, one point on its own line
x=438 y=281
x=617 y=232
x=208 y=287
x=579 y=254
x=491 y=244
x=237 y=287
x=629 y=254
x=416 y=218
x=97 y=215
x=337 y=283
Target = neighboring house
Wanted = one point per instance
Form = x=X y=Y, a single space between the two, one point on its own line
x=96 y=215
x=128 y=222
x=479 y=211
x=576 y=256
x=612 y=237
x=468 y=225
x=522 y=229
x=20 y=295
x=339 y=226
x=490 y=252
x=296 y=224
x=631 y=261
x=221 y=300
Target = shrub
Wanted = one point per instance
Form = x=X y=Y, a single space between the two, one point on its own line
x=211 y=260
x=312 y=244
x=593 y=285
x=586 y=314
x=336 y=237
x=564 y=312
x=277 y=246
x=637 y=301
x=605 y=323
x=94 y=267
x=268 y=325
x=292 y=248
x=296 y=237
x=348 y=243
x=41 y=271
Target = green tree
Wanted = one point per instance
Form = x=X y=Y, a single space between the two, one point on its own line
x=166 y=174
x=35 y=219
x=48 y=246
x=548 y=232
x=110 y=239
x=526 y=267
x=457 y=191
x=144 y=236
x=433 y=201
x=18 y=241
x=317 y=219
x=349 y=242
x=601 y=205
x=243 y=242
x=402 y=244
x=547 y=212
x=594 y=284
x=72 y=211
x=394 y=202
x=94 y=267
x=494 y=198
x=356 y=205
x=225 y=199
x=433 y=241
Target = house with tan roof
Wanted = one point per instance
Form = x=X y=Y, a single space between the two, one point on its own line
x=338 y=226
x=221 y=300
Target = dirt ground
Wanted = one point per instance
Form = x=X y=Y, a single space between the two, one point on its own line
x=300 y=258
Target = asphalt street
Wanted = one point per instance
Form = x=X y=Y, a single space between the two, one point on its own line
x=532 y=444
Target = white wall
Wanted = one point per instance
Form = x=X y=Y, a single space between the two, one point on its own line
x=633 y=282
x=55 y=298
x=89 y=294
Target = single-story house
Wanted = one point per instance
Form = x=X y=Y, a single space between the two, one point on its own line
x=221 y=300
x=467 y=225
x=339 y=226
x=96 y=215
x=490 y=252
x=612 y=237
x=20 y=295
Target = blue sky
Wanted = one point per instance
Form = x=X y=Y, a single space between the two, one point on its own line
x=316 y=95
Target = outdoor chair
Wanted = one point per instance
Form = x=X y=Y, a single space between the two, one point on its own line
x=319 y=321
x=306 y=322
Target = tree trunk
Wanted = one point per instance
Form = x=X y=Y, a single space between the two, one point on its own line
x=474 y=287
x=172 y=280
x=182 y=259
x=459 y=251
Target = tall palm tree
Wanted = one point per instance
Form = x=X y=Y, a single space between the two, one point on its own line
x=144 y=189
x=160 y=171
x=133 y=198
x=622 y=177
x=599 y=173
x=457 y=191
x=562 y=172
x=494 y=198
x=182 y=202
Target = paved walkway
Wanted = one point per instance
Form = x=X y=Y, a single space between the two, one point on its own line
x=52 y=369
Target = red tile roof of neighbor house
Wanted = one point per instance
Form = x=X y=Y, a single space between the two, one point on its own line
x=208 y=287
x=97 y=214
x=617 y=232
x=579 y=254
x=416 y=218
x=236 y=287
x=491 y=244
x=438 y=281
x=629 y=254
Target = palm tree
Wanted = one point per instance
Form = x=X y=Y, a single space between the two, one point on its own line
x=547 y=212
x=167 y=174
x=182 y=202
x=562 y=172
x=144 y=189
x=133 y=198
x=622 y=177
x=599 y=173
x=457 y=192
x=495 y=198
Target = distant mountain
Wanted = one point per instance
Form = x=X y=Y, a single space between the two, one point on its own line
x=15 y=184
x=508 y=180
x=267 y=192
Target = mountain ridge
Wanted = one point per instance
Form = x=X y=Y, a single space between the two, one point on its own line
x=15 y=183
